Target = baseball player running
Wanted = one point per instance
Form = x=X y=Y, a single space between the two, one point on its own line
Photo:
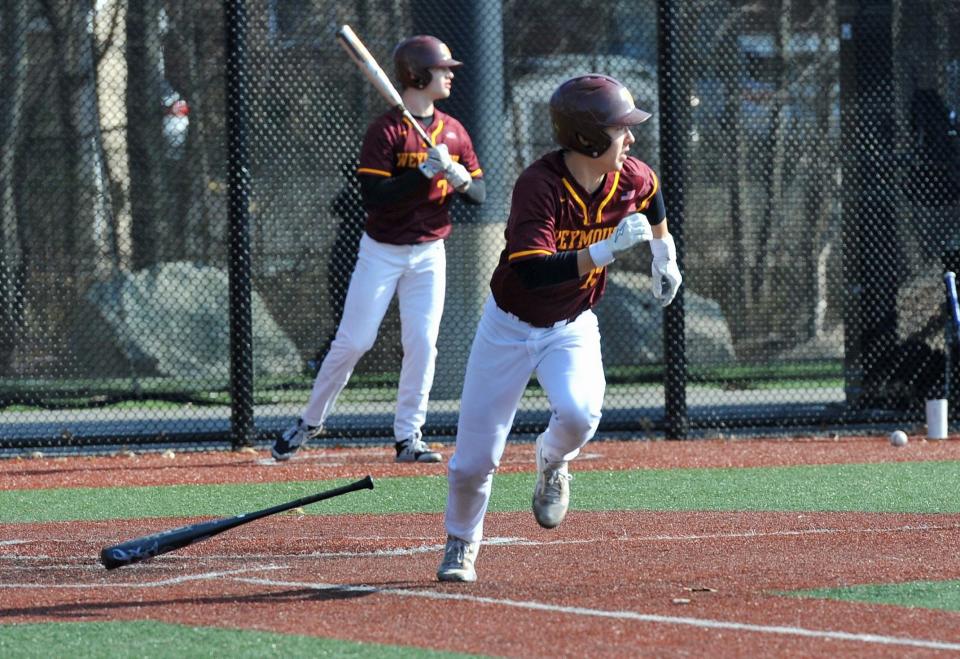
x=406 y=187
x=572 y=212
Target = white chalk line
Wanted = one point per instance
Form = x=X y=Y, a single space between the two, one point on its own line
x=532 y=605
x=173 y=581
x=703 y=623
x=518 y=542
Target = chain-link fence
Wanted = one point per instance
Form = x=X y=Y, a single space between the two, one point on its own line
x=180 y=211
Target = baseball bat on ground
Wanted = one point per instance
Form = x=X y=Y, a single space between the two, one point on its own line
x=351 y=43
x=148 y=546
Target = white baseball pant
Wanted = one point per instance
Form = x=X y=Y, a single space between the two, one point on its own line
x=417 y=274
x=505 y=352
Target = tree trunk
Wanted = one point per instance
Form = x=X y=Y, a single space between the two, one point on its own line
x=109 y=28
x=775 y=169
x=144 y=131
x=89 y=190
x=731 y=74
x=13 y=65
x=822 y=181
x=194 y=208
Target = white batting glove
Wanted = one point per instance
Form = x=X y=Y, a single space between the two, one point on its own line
x=634 y=228
x=458 y=176
x=438 y=160
x=665 y=269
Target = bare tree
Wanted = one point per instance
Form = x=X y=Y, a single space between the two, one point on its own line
x=774 y=169
x=822 y=172
x=108 y=24
x=144 y=130
x=13 y=65
x=93 y=228
x=196 y=212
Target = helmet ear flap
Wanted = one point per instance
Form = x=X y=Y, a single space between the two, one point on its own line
x=586 y=146
x=415 y=78
x=591 y=147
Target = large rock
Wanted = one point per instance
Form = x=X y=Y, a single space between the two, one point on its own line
x=172 y=319
x=631 y=324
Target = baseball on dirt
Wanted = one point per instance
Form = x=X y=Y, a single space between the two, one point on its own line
x=898 y=438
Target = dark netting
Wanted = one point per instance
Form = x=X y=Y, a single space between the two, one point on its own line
x=180 y=212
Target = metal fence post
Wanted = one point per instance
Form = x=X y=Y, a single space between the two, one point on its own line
x=241 y=323
x=674 y=91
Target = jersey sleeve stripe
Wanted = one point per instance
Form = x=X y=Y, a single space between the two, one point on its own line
x=376 y=172
x=528 y=252
x=477 y=172
x=576 y=198
x=642 y=206
x=613 y=190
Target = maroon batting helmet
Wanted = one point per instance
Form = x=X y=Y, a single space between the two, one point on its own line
x=582 y=107
x=415 y=56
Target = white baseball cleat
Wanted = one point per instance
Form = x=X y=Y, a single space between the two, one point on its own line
x=413 y=449
x=458 y=559
x=295 y=437
x=551 y=494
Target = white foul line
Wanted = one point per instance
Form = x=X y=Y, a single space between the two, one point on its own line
x=620 y=615
x=516 y=542
x=140 y=584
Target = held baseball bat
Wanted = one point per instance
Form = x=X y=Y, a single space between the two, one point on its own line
x=950 y=279
x=351 y=43
x=148 y=546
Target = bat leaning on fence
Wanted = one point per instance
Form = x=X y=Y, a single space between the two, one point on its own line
x=351 y=43
x=138 y=549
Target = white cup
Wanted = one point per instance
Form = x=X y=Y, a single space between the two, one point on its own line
x=937 y=418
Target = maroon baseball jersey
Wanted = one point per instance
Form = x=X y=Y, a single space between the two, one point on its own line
x=392 y=147
x=551 y=213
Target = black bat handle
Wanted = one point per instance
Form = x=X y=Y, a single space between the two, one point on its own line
x=362 y=484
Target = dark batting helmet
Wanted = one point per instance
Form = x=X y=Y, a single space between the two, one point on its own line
x=415 y=56
x=582 y=107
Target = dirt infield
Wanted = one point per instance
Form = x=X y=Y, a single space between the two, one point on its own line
x=603 y=584
x=317 y=464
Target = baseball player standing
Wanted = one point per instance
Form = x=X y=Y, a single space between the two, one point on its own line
x=406 y=186
x=572 y=211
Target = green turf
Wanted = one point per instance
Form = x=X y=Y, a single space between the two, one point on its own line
x=917 y=487
x=942 y=595
x=159 y=640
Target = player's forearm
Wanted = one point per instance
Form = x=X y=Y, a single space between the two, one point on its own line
x=476 y=193
x=660 y=230
x=378 y=191
x=549 y=270
x=584 y=263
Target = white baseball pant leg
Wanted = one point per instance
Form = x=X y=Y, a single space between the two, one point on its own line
x=505 y=352
x=421 y=292
x=380 y=269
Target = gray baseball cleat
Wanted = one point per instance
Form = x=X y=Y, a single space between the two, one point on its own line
x=458 y=559
x=413 y=449
x=293 y=439
x=551 y=494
